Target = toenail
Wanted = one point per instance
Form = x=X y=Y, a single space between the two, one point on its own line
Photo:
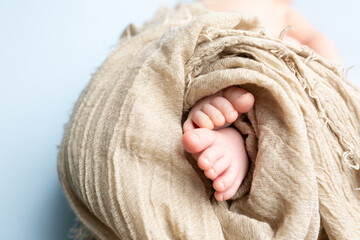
x=221 y=185
x=212 y=172
x=221 y=197
x=206 y=161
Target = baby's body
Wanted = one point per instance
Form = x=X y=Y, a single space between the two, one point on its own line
x=218 y=148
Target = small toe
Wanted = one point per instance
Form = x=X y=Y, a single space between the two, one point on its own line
x=214 y=114
x=244 y=103
x=226 y=108
x=202 y=120
x=210 y=156
x=227 y=178
x=230 y=192
x=218 y=167
x=241 y=99
x=188 y=125
x=198 y=140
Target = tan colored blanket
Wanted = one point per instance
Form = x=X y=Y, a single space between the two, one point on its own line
x=127 y=176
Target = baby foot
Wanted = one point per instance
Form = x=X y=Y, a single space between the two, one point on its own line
x=219 y=152
x=219 y=110
x=222 y=156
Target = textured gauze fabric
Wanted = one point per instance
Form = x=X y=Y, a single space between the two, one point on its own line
x=123 y=167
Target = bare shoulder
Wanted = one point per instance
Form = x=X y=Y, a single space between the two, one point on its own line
x=303 y=29
x=307 y=34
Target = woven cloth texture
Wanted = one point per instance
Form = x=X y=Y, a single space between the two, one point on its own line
x=124 y=170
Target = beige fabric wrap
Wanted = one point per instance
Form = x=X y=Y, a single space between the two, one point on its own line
x=127 y=176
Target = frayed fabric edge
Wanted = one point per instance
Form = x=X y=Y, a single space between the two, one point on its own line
x=80 y=232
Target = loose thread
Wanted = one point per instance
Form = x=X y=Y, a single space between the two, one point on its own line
x=348 y=69
x=80 y=232
x=356 y=166
x=313 y=56
x=349 y=155
x=207 y=37
x=280 y=53
x=128 y=33
x=285 y=30
x=189 y=81
x=292 y=69
x=189 y=15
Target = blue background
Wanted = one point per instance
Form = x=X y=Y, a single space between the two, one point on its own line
x=48 y=51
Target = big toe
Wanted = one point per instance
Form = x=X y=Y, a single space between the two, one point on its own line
x=198 y=140
x=241 y=99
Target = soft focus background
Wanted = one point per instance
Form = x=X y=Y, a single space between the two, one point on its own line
x=48 y=51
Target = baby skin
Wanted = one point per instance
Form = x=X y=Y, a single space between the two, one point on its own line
x=219 y=149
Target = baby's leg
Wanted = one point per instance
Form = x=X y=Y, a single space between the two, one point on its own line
x=218 y=149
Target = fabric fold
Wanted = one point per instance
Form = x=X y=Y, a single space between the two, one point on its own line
x=124 y=170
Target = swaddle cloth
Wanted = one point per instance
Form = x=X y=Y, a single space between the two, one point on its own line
x=123 y=167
